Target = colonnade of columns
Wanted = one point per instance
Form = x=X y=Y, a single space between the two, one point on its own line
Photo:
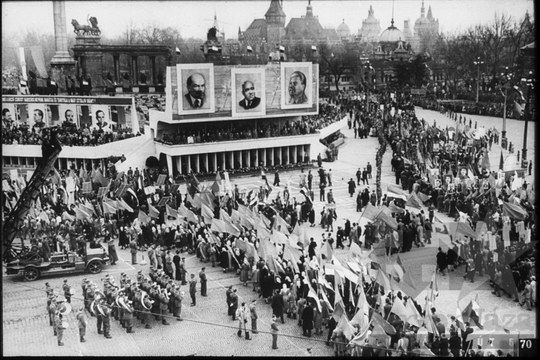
x=226 y=160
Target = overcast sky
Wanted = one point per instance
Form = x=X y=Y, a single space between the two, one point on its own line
x=193 y=18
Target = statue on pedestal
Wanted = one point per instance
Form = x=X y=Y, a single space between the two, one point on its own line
x=83 y=30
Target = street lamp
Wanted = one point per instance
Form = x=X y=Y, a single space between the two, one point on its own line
x=478 y=62
x=505 y=84
x=530 y=87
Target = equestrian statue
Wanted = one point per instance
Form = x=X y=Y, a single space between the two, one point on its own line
x=90 y=29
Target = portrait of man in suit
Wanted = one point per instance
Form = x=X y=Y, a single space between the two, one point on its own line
x=195 y=88
x=248 y=93
x=250 y=101
x=196 y=96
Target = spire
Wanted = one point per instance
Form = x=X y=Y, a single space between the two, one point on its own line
x=309 y=12
x=429 y=15
x=215 y=21
x=370 y=13
x=423 y=10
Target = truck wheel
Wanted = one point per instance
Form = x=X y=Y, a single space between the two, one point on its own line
x=94 y=267
x=31 y=274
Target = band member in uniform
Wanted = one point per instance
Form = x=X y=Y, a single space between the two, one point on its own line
x=59 y=328
x=106 y=320
x=100 y=302
x=128 y=317
x=147 y=305
x=52 y=313
x=254 y=316
x=178 y=297
x=81 y=319
x=164 y=305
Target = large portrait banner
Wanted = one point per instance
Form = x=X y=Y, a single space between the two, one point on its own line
x=68 y=114
x=196 y=82
x=248 y=95
x=296 y=85
x=101 y=118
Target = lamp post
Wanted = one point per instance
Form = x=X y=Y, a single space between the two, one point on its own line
x=505 y=83
x=530 y=87
x=478 y=62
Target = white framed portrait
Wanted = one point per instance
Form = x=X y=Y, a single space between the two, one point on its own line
x=101 y=117
x=196 y=88
x=296 y=85
x=248 y=95
x=68 y=113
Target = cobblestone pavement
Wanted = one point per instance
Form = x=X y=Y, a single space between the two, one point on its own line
x=207 y=330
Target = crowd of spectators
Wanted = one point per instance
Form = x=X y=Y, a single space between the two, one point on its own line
x=309 y=124
x=68 y=134
x=467 y=107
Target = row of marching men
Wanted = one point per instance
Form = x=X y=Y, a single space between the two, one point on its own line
x=154 y=295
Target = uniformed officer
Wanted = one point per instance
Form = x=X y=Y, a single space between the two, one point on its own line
x=90 y=297
x=147 y=305
x=178 y=297
x=164 y=305
x=121 y=310
x=114 y=306
x=106 y=320
x=81 y=319
x=100 y=304
x=128 y=317
x=59 y=328
x=154 y=294
x=67 y=291
x=170 y=288
x=52 y=312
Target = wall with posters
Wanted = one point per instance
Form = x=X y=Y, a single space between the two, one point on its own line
x=199 y=92
x=109 y=113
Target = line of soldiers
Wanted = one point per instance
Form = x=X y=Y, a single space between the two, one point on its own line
x=155 y=294
x=54 y=309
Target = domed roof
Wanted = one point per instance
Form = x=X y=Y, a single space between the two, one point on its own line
x=421 y=21
x=392 y=34
x=343 y=29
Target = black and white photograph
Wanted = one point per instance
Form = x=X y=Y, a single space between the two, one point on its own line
x=269 y=178
x=248 y=96
x=197 y=84
x=296 y=85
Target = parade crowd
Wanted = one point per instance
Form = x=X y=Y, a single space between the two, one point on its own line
x=357 y=303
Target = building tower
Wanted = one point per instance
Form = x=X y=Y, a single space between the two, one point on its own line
x=275 y=23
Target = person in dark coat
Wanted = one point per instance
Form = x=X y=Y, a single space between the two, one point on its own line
x=224 y=259
x=268 y=286
x=441 y=261
x=112 y=252
x=278 y=306
x=455 y=344
x=307 y=320
x=276 y=178
x=352 y=187
x=176 y=260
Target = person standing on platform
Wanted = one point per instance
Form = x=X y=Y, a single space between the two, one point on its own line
x=352 y=187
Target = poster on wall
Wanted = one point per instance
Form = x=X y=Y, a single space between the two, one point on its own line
x=36 y=115
x=9 y=115
x=248 y=95
x=68 y=113
x=101 y=118
x=52 y=115
x=296 y=85
x=196 y=88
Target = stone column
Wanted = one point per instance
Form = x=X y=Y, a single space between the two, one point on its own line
x=271 y=156
x=248 y=158
x=170 y=164
x=116 y=60
x=134 y=70
x=264 y=156
x=62 y=64
x=214 y=161
x=206 y=162
x=196 y=163
x=153 y=75
x=294 y=155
